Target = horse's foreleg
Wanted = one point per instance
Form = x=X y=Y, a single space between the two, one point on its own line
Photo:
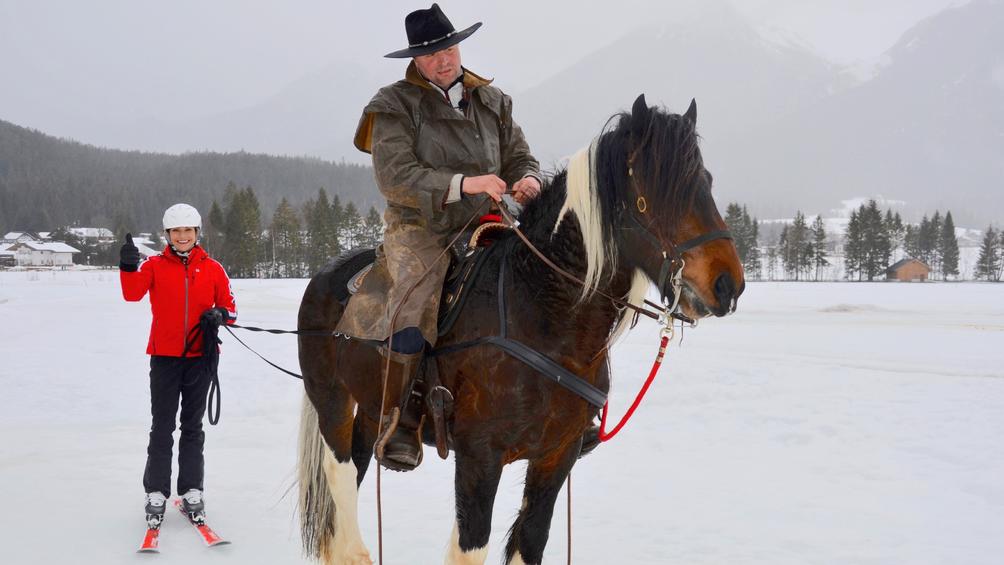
x=476 y=482
x=529 y=534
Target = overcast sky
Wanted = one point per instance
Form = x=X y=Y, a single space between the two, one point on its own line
x=65 y=61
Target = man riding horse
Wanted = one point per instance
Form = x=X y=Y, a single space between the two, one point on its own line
x=444 y=143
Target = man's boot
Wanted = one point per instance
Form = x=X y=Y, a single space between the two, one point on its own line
x=590 y=440
x=403 y=450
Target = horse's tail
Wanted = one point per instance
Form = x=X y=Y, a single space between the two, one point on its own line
x=317 y=508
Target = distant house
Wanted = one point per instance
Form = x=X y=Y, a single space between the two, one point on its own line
x=7 y=257
x=93 y=235
x=21 y=236
x=907 y=270
x=37 y=254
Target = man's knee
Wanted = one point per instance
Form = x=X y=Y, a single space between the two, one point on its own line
x=407 y=341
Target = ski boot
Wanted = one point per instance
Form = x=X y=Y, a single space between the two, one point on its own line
x=155 y=504
x=193 y=505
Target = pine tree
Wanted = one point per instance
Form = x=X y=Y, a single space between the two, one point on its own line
x=853 y=247
x=753 y=261
x=1000 y=253
x=744 y=232
x=894 y=228
x=286 y=242
x=925 y=241
x=337 y=219
x=949 y=246
x=734 y=219
x=213 y=231
x=322 y=235
x=875 y=239
x=803 y=250
x=783 y=254
x=243 y=241
x=911 y=242
x=819 y=244
x=935 y=251
x=989 y=263
x=352 y=226
x=372 y=232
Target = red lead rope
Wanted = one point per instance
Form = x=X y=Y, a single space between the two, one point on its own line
x=604 y=436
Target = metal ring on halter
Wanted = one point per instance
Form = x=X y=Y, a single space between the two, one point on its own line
x=642 y=204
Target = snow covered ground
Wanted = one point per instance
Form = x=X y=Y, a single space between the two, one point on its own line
x=828 y=423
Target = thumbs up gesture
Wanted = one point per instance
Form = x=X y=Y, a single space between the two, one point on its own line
x=129 y=256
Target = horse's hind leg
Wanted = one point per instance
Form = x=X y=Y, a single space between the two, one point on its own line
x=329 y=515
x=529 y=533
x=477 y=481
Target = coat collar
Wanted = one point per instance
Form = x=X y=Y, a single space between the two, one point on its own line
x=363 y=139
x=197 y=253
x=471 y=79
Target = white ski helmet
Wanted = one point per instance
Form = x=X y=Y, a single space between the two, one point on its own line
x=182 y=216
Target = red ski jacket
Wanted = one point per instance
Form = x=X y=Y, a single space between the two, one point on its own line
x=180 y=291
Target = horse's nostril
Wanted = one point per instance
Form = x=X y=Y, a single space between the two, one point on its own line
x=725 y=290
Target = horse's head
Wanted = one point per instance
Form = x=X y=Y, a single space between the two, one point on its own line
x=667 y=222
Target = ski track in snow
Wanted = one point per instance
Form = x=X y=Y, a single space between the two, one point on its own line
x=824 y=423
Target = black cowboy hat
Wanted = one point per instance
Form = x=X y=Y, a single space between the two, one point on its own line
x=430 y=31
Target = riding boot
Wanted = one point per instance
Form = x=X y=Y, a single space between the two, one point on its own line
x=403 y=450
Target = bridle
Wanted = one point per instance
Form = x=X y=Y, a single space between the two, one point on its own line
x=670 y=279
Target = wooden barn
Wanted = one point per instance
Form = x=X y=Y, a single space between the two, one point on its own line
x=907 y=270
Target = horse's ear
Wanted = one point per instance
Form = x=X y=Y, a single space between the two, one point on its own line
x=691 y=113
x=639 y=116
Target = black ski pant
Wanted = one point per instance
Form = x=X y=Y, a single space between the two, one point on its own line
x=171 y=379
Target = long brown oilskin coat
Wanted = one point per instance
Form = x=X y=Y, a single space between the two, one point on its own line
x=419 y=142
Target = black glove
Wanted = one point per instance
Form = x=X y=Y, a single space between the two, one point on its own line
x=129 y=256
x=216 y=316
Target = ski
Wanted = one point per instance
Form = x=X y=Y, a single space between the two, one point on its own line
x=210 y=537
x=150 y=541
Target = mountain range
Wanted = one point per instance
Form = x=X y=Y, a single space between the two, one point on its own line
x=782 y=127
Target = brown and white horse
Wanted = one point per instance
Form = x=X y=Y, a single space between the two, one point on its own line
x=609 y=219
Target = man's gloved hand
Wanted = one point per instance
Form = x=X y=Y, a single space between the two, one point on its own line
x=216 y=316
x=129 y=256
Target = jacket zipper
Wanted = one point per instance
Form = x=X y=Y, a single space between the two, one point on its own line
x=184 y=337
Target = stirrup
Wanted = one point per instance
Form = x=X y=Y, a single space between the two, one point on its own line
x=439 y=407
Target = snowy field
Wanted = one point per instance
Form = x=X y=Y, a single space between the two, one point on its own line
x=822 y=424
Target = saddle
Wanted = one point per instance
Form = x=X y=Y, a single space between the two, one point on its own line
x=467 y=256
